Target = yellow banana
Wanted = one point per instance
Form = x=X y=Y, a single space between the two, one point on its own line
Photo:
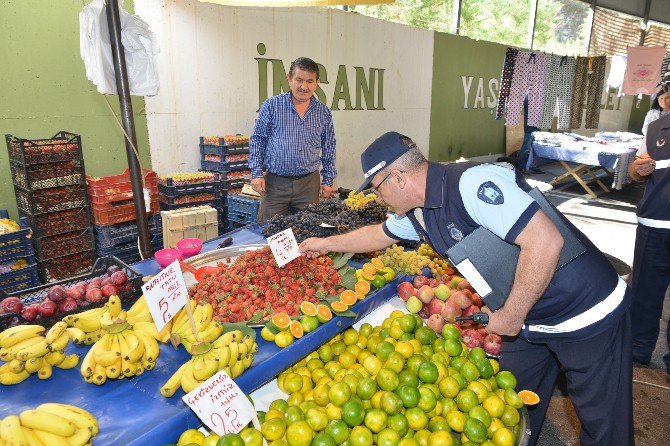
x=234 y=354
x=148 y=365
x=94 y=336
x=147 y=327
x=228 y=338
x=14 y=335
x=212 y=332
x=223 y=355
x=114 y=371
x=76 y=334
x=114 y=306
x=138 y=307
x=80 y=437
x=55 y=332
x=10 y=431
x=7 y=354
x=142 y=316
x=182 y=316
x=45 y=371
x=34 y=351
x=55 y=358
x=100 y=375
x=242 y=349
x=237 y=369
x=135 y=347
x=93 y=313
x=138 y=368
x=16 y=366
x=247 y=361
x=87 y=364
x=69 y=362
x=170 y=387
x=33 y=365
x=60 y=343
x=185 y=326
x=127 y=368
x=47 y=422
x=251 y=343
x=107 y=358
x=150 y=346
x=188 y=381
x=31 y=438
x=203 y=370
x=164 y=334
x=76 y=415
x=88 y=323
x=47 y=438
x=11 y=378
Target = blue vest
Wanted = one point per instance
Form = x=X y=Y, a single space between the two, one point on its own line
x=655 y=203
x=573 y=289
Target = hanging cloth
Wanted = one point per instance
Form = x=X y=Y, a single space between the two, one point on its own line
x=617 y=70
x=558 y=90
x=643 y=70
x=665 y=65
x=528 y=80
x=506 y=80
x=588 y=84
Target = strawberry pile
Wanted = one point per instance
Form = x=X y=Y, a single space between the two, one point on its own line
x=254 y=283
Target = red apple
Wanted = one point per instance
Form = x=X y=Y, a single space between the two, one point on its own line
x=105 y=281
x=424 y=313
x=29 y=313
x=472 y=338
x=405 y=290
x=492 y=344
x=433 y=283
x=470 y=311
x=68 y=305
x=94 y=282
x=94 y=295
x=442 y=292
x=420 y=281
x=118 y=278
x=450 y=311
x=11 y=305
x=47 y=308
x=477 y=300
x=436 y=322
x=56 y=293
x=464 y=285
x=435 y=306
x=425 y=294
x=108 y=290
x=461 y=299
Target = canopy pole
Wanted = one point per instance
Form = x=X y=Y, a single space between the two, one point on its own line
x=125 y=104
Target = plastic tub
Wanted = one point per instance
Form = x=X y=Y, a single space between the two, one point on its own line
x=168 y=255
x=189 y=246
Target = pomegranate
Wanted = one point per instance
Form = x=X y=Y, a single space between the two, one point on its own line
x=464 y=285
x=112 y=269
x=94 y=295
x=29 y=313
x=11 y=305
x=56 y=293
x=492 y=344
x=477 y=300
x=108 y=290
x=424 y=313
x=435 y=306
x=47 y=308
x=461 y=299
x=118 y=278
x=470 y=311
x=450 y=311
x=68 y=305
x=433 y=283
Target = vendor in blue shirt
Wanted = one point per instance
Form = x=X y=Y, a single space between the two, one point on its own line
x=292 y=138
x=573 y=319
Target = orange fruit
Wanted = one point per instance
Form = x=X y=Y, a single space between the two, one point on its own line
x=280 y=321
x=296 y=329
x=362 y=287
x=339 y=306
x=529 y=398
x=308 y=308
x=368 y=275
x=359 y=296
x=377 y=263
x=370 y=268
x=323 y=313
x=348 y=297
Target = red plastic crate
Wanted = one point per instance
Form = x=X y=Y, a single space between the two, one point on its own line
x=119 y=212
x=117 y=188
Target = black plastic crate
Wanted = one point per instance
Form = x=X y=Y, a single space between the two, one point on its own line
x=63 y=146
x=19 y=279
x=51 y=200
x=129 y=292
x=179 y=190
x=123 y=233
x=44 y=176
x=216 y=203
x=129 y=252
x=16 y=244
x=64 y=244
x=237 y=183
x=60 y=268
x=47 y=224
x=214 y=166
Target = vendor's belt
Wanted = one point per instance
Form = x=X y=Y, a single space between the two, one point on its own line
x=292 y=177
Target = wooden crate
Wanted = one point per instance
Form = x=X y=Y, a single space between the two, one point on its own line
x=194 y=222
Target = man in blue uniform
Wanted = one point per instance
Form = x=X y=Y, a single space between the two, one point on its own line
x=651 y=263
x=575 y=319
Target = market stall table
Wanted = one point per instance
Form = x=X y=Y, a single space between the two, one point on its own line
x=606 y=150
x=132 y=411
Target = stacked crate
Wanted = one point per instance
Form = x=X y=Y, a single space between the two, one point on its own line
x=18 y=269
x=242 y=210
x=49 y=183
x=113 y=210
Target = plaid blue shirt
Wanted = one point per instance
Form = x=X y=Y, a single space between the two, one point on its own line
x=285 y=144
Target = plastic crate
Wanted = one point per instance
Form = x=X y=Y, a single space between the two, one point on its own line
x=60 y=268
x=221 y=147
x=216 y=203
x=64 y=244
x=63 y=146
x=172 y=190
x=44 y=176
x=129 y=252
x=123 y=233
x=241 y=218
x=213 y=166
x=129 y=293
x=119 y=212
x=51 y=200
x=243 y=205
x=53 y=223
x=16 y=244
x=118 y=188
x=20 y=279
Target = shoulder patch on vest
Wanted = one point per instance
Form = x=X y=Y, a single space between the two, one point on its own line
x=490 y=193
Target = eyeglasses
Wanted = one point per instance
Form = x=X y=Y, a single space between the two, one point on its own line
x=382 y=182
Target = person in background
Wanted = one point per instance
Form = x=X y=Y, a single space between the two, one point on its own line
x=660 y=106
x=293 y=136
x=573 y=319
x=651 y=261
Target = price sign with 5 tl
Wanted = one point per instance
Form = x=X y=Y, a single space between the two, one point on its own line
x=166 y=294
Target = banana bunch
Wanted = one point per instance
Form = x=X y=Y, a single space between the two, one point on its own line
x=86 y=327
x=51 y=424
x=232 y=352
x=207 y=328
x=124 y=350
x=25 y=351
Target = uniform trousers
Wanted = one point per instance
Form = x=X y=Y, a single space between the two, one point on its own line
x=599 y=378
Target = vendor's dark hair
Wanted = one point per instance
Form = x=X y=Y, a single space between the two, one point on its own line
x=305 y=64
x=654 y=104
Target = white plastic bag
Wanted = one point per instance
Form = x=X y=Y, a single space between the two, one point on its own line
x=138 y=42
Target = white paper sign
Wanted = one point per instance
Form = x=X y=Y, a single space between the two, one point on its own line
x=284 y=247
x=221 y=404
x=166 y=294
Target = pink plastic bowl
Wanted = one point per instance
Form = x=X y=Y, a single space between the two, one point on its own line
x=189 y=246
x=168 y=255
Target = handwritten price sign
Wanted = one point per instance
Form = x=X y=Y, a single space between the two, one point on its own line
x=221 y=404
x=166 y=294
x=284 y=247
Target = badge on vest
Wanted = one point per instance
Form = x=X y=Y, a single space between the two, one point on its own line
x=454 y=232
x=660 y=142
x=490 y=193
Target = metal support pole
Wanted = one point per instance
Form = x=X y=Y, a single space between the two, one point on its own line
x=531 y=23
x=594 y=3
x=456 y=17
x=123 y=90
x=645 y=22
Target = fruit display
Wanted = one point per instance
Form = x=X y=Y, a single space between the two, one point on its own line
x=375 y=273
x=282 y=330
x=207 y=328
x=26 y=351
x=333 y=212
x=228 y=139
x=441 y=302
x=181 y=179
x=232 y=352
x=127 y=347
x=359 y=200
x=7 y=226
x=413 y=262
x=253 y=285
x=52 y=424
x=395 y=384
x=238 y=174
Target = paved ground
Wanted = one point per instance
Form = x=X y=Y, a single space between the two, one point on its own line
x=609 y=221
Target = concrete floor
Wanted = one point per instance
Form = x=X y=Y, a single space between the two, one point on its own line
x=609 y=221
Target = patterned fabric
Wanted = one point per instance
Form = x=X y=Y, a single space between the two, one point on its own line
x=506 y=80
x=643 y=70
x=588 y=84
x=560 y=74
x=528 y=79
x=665 y=65
x=286 y=144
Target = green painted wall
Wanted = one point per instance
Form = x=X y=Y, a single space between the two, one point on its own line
x=43 y=89
x=463 y=124
x=638 y=113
